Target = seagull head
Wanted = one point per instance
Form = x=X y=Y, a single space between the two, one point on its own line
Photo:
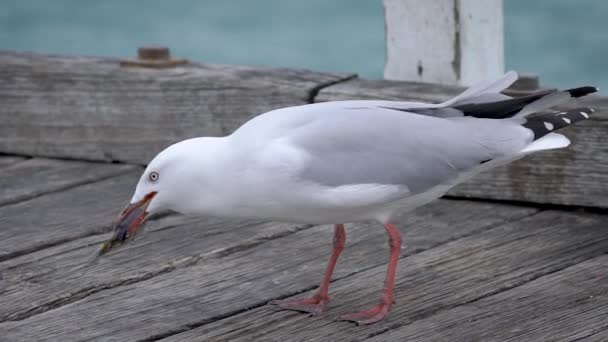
x=172 y=181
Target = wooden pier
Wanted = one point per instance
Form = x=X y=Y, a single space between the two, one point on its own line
x=517 y=254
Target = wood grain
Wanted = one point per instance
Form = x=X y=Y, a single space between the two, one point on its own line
x=218 y=286
x=568 y=305
x=63 y=216
x=92 y=109
x=459 y=273
x=60 y=275
x=577 y=175
x=37 y=176
x=386 y=90
x=10 y=160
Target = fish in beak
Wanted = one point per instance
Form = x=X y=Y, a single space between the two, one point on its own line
x=128 y=222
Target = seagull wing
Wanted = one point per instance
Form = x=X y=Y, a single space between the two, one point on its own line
x=381 y=146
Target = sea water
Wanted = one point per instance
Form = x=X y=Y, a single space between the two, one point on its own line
x=564 y=41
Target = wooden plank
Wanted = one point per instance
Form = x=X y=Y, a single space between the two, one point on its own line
x=9 y=160
x=218 y=286
x=58 y=276
x=91 y=108
x=63 y=216
x=457 y=273
x=162 y=251
x=362 y=89
x=570 y=305
x=577 y=175
x=599 y=336
x=34 y=177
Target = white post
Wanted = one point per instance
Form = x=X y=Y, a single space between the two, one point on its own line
x=444 y=41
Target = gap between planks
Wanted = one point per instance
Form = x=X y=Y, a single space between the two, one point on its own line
x=540 y=206
x=314 y=91
x=72 y=174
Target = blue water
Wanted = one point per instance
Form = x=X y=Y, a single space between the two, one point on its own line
x=564 y=41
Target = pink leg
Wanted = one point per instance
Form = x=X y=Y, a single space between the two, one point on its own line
x=379 y=311
x=316 y=304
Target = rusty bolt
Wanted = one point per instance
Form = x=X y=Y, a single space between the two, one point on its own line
x=154 y=53
x=153 y=57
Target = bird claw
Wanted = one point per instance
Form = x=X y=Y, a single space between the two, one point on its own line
x=314 y=305
x=369 y=316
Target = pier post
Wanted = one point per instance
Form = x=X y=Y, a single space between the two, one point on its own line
x=444 y=41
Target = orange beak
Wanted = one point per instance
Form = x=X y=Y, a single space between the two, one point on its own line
x=128 y=222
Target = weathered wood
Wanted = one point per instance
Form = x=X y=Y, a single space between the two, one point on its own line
x=218 y=286
x=454 y=274
x=10 y=160
x=387 y=90
x=171 y=242
x=92 y=109
x=569 y=305
x=577 y=175
x=63 y=216
x=33 y=177
x=444 y=41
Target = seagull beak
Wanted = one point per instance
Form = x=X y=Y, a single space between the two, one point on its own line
x=128 y=222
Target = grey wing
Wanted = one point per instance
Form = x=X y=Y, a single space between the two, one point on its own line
x=379 y=146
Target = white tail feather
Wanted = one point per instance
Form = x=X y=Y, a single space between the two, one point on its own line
x=492 y=87
x=548 y=142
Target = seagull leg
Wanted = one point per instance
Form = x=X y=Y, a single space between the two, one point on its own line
x=379 y=311
x=316 y=304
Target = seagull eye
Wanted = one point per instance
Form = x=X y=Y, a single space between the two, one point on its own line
x=153 y=176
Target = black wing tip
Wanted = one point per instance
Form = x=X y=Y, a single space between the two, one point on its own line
x=546 y=123
x=582 y=91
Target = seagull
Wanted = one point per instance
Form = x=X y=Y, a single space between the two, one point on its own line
x=346 y=161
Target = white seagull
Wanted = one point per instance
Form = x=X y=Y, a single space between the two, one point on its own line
x=345 y=161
